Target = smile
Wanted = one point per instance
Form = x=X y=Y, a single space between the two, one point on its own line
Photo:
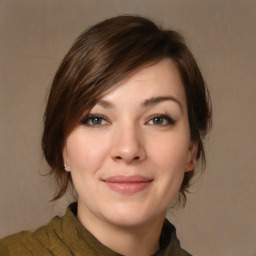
x=127 y=184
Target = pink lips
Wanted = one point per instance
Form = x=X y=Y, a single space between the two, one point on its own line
x=127 y=184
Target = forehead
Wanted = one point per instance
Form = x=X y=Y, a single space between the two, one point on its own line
x=156 y=80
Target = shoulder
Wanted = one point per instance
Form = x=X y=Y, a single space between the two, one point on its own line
x=43 y=241
x=23 y=243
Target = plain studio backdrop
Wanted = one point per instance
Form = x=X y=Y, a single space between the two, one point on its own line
x=219 y=218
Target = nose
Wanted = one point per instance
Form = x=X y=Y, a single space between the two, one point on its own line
x=128 y=144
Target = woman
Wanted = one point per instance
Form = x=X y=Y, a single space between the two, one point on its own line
x=126 y=116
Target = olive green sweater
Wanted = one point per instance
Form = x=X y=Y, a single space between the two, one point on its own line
x=65 y=236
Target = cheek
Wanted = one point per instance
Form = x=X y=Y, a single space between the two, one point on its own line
x=86 y=153
x=170 y=159
x=171 y=152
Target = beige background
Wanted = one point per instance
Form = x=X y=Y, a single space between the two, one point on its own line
x=219 y=218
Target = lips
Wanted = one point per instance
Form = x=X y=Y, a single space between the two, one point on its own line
x=127 y=184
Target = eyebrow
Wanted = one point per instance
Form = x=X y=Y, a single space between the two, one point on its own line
x=156 y=100
x=104 y=104
x=147 y=103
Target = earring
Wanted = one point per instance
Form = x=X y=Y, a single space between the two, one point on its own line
x=65 y=165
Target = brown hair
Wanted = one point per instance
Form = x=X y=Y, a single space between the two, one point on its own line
x=102 y=57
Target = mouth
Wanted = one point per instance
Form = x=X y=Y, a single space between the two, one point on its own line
x=127 y=184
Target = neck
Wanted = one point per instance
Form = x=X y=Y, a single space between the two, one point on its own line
x=140 y=240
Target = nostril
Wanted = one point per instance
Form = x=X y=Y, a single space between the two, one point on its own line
x=120 y=158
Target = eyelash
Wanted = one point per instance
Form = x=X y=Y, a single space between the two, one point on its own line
x=168 y=119
x=87 y=120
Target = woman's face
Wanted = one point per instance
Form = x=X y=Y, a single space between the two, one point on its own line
x=127 y=157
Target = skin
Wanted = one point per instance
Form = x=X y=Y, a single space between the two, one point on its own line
x=128 y=140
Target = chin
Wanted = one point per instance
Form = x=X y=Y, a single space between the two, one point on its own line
x=130 y=217
x=128 y=221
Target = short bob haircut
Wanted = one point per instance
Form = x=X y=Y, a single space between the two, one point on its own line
x=99 y=60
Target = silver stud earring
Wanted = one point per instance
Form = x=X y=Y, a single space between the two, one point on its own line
x=65 y=165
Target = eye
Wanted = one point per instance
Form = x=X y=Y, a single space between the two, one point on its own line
x=161 y=120
x=94 y=120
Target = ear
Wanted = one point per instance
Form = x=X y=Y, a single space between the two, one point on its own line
x=65 y=159
x=192 y=153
